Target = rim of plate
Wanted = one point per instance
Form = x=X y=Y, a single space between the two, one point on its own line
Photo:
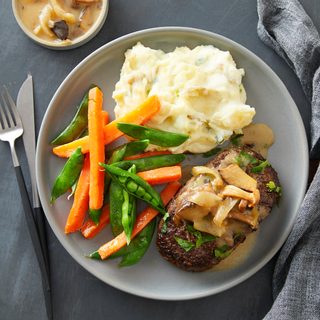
x=301 y=135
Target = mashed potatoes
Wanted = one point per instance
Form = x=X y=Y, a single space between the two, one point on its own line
x=200 y=91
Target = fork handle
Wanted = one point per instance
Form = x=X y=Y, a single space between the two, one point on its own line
x=32 y=226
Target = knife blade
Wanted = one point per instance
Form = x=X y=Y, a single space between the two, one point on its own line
x=25 y=104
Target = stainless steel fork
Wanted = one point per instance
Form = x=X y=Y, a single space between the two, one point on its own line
x=10 y=129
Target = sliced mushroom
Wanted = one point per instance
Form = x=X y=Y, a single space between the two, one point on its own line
x=251 y=220
x=61 y=29
x=62 y=14
x=234 y=175
x=87 y=1
x=233 y=191
x=224 y=208
x=192 y=213
x=243 y=205
x=212 y=172
x=45 y=18
x=205 y=199
x=210 y=227
x=74 y=4
x=85 y=18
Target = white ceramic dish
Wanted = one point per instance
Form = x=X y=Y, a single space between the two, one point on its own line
x=153 y=277
x=91 y=33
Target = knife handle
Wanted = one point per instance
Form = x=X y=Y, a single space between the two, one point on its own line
x=39 y=217
x=32 y=226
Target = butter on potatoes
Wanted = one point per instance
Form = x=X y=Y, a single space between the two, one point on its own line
x=200 y=91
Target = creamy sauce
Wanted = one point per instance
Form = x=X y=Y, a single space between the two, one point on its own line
x=39 y=17
x=239 y=255
x=260 y=136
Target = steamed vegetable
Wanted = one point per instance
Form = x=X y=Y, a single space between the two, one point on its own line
x=139 y=115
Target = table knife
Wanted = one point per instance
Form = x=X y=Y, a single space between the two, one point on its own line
x=25 y=104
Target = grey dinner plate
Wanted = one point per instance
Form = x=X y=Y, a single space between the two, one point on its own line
x=153 y=277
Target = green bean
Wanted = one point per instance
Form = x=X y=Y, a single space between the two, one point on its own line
x=133 y=257
x=78 y=123
x=151 y=197
x=68 y=175
x=149 y=163
x=157 y=137
x=133 y=147
x=129 y=208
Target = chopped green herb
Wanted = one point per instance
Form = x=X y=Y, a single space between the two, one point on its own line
x=235 y=141
x=237 y=235
x=261 y=166
x=219 y=252
x=272 y=186
x=249 y=157
x=166 y=217
x=201 y=239
x=266 y=146
x=207 y=238
x=212 y=152
x=186 y=245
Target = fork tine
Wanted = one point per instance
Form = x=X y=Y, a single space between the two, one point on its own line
x=13 y=108
x=9 y=117
x=4 y=119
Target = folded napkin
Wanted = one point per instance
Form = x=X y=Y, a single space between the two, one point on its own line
x=285 y=27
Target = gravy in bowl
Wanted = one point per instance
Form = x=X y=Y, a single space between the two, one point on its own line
x=60 y=22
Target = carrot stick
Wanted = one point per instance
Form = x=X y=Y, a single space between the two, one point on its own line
x=81 y=199
x=139 y=115
x=96 y=148
x=161 y=175
x=148 y=154
x=90 y=229
x=105 y=117
x=142 y=220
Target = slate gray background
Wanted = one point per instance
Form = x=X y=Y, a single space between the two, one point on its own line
x=76 y=293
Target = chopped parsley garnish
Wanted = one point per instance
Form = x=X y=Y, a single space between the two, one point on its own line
x=166 y=217
x=261 y=166
x=272 y=186
x=249 y=157
x=235 y=141
x=237 y=235
x=186 y=245
x=207 y=238
x=245 y=158
x=211 y=152
x=219 y=252
x=201 y=239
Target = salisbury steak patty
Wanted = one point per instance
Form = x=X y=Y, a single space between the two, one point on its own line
x=204 y=257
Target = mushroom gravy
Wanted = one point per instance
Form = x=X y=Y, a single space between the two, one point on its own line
x=59 y=21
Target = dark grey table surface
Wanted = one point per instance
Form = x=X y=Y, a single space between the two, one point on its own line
x=76 y=293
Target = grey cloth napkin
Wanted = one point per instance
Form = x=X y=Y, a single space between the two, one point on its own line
x=285 y=27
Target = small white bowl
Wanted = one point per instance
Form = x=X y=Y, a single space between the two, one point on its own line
x=55 y=45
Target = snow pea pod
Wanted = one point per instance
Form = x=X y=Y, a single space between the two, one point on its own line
x=78 y=123
x=129 y=208
x=116 y=200
x=156 y=137
x=149 y=163
x=133 y=257
x=137 y=243
x=136 y=186
x=117 y=155
x=133 y=147
x=68 y=175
